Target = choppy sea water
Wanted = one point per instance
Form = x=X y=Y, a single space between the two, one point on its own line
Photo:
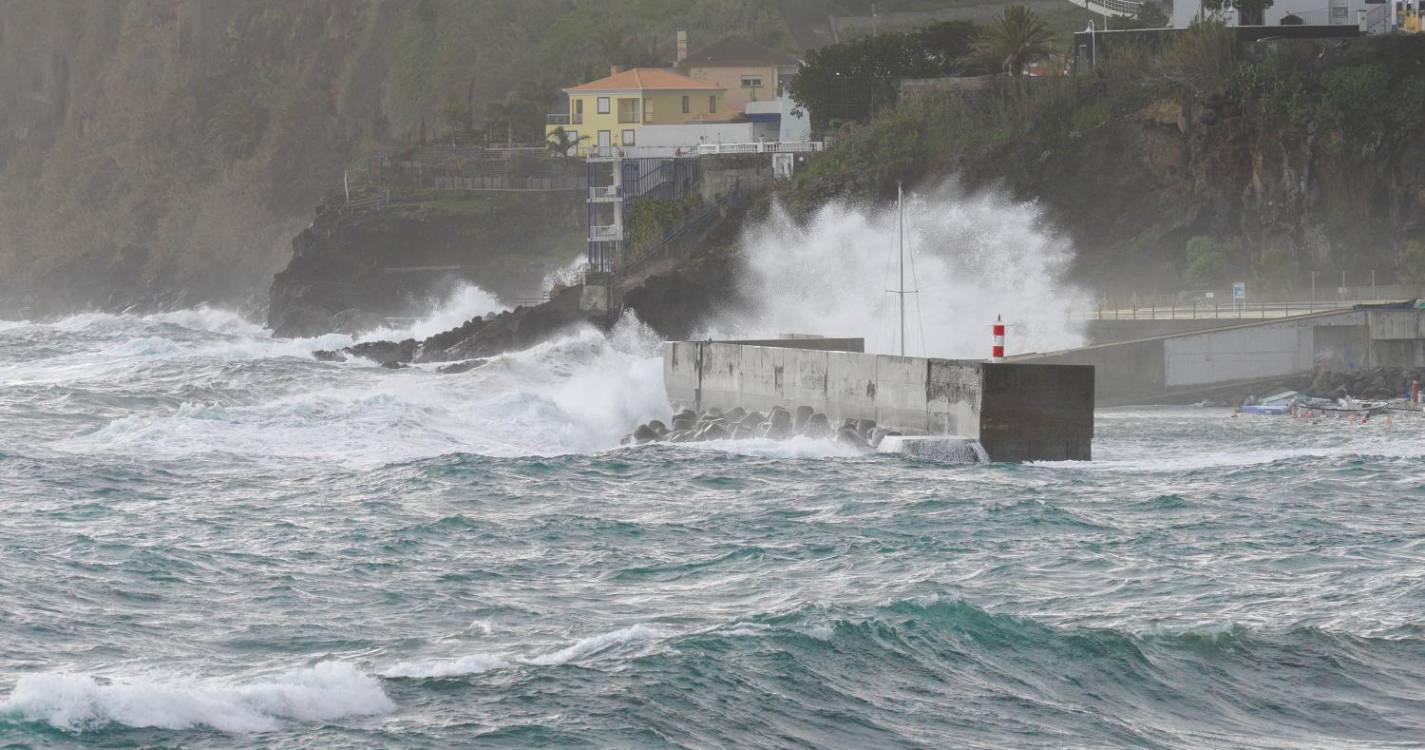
x=210 y=540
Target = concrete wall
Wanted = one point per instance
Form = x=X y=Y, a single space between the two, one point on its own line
x=1036 y=412
x=1113 y=331
x=1340 y=341
x=1029 y=412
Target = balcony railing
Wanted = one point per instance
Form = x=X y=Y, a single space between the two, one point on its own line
x=556 y=119
x=603 y=191
x=606 y=232
x=761 y=147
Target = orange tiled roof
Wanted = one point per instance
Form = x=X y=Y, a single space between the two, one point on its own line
x=646 y=79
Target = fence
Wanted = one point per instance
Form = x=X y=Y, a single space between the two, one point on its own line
x=1210 y=311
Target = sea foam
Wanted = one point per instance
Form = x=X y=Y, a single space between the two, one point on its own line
x=72 y=702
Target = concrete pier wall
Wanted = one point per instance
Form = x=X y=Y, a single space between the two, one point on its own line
x=1187 y=363
x=1028 y=412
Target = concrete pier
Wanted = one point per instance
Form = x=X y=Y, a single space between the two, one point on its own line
x=1018 y=412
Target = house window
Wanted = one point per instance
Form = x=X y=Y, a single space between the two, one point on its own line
x=603 y=105
x=578 y=118
x=751 y=82
x=648 y=110
x=712 y=104
x=628 y=111
x=628 y=137
x=686 y=106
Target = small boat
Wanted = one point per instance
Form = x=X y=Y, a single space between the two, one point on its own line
x=1341 y=407
x=1276 y=405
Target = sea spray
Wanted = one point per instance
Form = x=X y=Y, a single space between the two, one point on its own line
x=462 y=303
x=969 y=256
x=325 y=692
x=576 y=393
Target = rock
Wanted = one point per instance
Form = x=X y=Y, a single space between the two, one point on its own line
x=849 y=437
x=658 y=427
x=818 y=426
x=779 y=424
x=714 y=431
x=804 y=413
x=753 y=420
x=683 y=423
x=392 y=364
x=329 y=355
x=645 y=434
x=385 y=351
x=736 y=413
x=865 y=427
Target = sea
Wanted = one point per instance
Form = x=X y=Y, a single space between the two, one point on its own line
x=209 y=539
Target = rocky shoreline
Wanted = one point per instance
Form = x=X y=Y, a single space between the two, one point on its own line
x=779 y=423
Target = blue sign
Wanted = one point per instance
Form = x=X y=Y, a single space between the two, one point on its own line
x=1239 y=290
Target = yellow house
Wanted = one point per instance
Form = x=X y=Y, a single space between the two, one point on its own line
x=609 y=112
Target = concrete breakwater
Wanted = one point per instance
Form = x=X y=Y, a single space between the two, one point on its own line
x=1017 y=412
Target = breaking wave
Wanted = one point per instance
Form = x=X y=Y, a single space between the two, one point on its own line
x=326 y=692
x=970 y=256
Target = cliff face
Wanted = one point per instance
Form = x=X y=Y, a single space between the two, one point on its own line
x=350 y=269
x=165 y=153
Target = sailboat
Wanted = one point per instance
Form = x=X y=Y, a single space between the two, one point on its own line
x=900 y=260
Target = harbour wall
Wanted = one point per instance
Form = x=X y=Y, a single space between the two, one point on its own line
x=1018 y=412
x=1195 y=362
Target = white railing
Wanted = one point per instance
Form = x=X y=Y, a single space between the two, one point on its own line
x=761 y=147
x=606 y=232
x=597 y=192
x=556 y=119
x=1221 y=311
x=1111 y=8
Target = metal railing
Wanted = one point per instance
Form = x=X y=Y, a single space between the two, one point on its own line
x=1221 y=311
x=606 y=232
x=1113 y=8
x=556 y=119
x=597 y=192
x=761 y=147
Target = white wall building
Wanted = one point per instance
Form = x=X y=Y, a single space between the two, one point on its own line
x=1372 y=17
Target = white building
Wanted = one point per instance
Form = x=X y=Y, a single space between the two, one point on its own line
x=1369 y=17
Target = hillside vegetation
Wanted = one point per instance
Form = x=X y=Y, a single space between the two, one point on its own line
x=1191 y=165
x=165 y=153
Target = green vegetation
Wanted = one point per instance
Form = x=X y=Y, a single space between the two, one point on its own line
x=1180 y=164
x=1015 y=39
x=652 y=220
x=1208 y=261
x=856 y=80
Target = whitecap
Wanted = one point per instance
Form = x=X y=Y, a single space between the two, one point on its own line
x=325 y=692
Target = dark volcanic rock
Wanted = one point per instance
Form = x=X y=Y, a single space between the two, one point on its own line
x=385 y=351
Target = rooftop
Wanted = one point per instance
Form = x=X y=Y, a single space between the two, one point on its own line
x=734 y=50
x=646 y=79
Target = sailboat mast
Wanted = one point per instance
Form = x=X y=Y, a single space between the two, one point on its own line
x=900 y=211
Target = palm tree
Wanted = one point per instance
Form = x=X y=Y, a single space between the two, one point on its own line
x=1015 y=39
x=560 y=142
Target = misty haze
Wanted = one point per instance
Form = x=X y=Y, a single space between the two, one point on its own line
x=712 y=374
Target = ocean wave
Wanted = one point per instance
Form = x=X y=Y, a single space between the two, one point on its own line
x=581 y=649
x=76 y=702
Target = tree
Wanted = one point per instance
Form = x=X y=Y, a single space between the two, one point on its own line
x=560 y=142
x=1015 y=39
x=855 y=80
x=1249 y=12
x=1151 y=16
